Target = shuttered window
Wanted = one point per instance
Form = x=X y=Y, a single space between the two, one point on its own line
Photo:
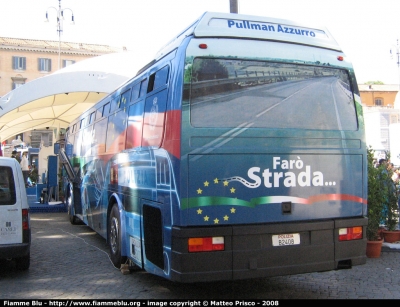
x=19 y=63
x=44 y=64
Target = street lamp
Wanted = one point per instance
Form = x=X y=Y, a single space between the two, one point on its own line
x=60 y=19
x=234 y=6
x=396 y=49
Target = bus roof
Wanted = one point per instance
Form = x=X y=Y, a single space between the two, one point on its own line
x=212 y=24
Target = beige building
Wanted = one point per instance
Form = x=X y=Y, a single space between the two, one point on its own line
x=382 y=118
x=378 y=95
x=23 y=60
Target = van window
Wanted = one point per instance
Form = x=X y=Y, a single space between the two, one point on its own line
x=7 y=186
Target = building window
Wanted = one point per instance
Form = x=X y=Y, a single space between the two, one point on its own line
x=16 y=85
x=378 y=101
x=46 y=139
x=17 y=81
x=43 y=137
x=66 y=63
x=44 y=64
x=19 y=63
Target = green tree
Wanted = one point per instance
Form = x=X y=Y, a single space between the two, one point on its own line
x=391 y=206
x=377 y=191
x=374 y=82
x=208 y=69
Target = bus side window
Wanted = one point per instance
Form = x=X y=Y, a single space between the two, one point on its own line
x=135 y=124
x=124 y=99
x=106 y=109
x=153 y=124
x=116 y=130
x=161 y=77
x=143 y=88
x=150 y=86
x=87 y=141
x=74 y=128
x=158 y=79
x=135 y=92
x=78 y=143
x=99 y=113
x=100 y=137
x=92 y=117
x=69 y=148
x=115 y=103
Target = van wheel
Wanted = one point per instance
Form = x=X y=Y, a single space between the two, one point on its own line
x=72 y=218
x=114 y=237
x=23 y=263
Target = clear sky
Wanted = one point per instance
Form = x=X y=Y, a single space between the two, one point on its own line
x=366 y=29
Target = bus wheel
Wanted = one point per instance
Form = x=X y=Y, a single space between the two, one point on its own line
x=72 y=218
x=115 y=237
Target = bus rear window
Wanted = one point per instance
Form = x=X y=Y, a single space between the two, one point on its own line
x=263 y=94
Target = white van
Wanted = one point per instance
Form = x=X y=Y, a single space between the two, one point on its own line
x=15 y=231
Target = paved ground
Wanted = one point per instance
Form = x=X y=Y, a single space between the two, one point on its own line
x=70 y=262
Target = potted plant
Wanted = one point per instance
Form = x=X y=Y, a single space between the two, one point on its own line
x=376 y=200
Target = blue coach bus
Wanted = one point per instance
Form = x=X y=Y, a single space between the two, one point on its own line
x=239 y=152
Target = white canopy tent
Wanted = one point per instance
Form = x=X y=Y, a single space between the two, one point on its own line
x=53 y=101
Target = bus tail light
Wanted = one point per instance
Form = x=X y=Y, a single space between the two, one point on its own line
x=350 y=233
x=206 y=244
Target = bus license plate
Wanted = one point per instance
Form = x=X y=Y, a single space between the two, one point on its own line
x=286 y=239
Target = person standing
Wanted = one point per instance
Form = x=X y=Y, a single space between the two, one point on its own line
x=18 y=156
x=15 y=154
x=25 y=167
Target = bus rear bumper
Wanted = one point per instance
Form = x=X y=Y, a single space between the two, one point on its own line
x=250 y=252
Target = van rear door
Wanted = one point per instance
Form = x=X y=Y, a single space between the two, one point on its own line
x=10 y=204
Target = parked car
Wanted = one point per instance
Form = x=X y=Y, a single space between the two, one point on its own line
x=15 y=231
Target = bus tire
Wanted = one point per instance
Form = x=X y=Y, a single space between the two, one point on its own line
x=114 y=237
x=72 y=218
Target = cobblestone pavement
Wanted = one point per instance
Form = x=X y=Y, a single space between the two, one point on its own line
x=71 y=262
